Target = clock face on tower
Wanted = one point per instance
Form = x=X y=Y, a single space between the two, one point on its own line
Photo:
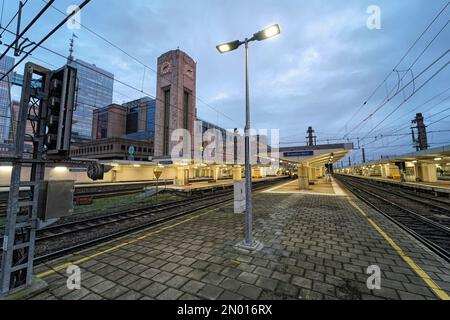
x=166 y=67
x=188 y=71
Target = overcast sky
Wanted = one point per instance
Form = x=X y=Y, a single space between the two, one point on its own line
x=318 y=73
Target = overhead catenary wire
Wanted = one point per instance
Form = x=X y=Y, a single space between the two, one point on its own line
x=12 y=19
x=412 y=65
x=407 y=99
x=400 y=90
x=39 y=44
x=410 y=145
x=399 y=83
x=142 y=121
x=25 y=30
x=394 y=133
x=408 y=113
x=139 y=61
x=404 y=127
x=440 y=120
x=89 y=67
x=396 y=66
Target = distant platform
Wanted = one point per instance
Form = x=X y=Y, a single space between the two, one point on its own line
x=320 y=187
x=199 y=186
x=440 y=186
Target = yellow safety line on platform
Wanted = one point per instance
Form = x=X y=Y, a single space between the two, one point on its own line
x=114 y=248
x=422 y=274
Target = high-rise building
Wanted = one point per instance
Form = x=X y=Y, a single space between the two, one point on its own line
x=95 y=90
x=6 y=63
x=109 y=122
x=134 y=120
x=28 y=128
x=175 y=105
x=141 y=119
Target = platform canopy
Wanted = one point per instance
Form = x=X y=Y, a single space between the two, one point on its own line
x=322 y=160
x=440 y=155
x=315 y=156
x=432 y=155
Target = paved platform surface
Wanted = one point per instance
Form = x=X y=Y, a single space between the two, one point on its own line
x=315 y=247
x=320 y=186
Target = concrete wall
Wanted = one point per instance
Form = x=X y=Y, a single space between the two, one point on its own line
x=50 y=174
x=119 y=174
x=427 y=172
x=128 y=174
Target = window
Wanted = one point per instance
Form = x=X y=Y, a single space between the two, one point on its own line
x=166 y=122
x=132 y=122
x=186 y=109
x=102 y=125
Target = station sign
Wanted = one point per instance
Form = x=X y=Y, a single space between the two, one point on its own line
x=302 y=153
x=165 y=162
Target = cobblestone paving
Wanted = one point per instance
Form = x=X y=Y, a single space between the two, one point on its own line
x=316 y=247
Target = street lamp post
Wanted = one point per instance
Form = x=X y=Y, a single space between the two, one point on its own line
x=266 y=33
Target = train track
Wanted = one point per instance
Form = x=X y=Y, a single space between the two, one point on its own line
x=433 y=208
x=62 y=239
x=98 y=192
x=409 y=213
x=94 y=192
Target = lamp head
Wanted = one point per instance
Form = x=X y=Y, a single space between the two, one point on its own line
x=268 y=32
x=229 y=46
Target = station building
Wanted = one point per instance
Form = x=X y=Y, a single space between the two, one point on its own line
x=135 y=137
x=137 y=134
x=312 y=162
x=429 y=166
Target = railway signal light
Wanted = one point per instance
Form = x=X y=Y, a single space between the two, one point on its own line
x=61 y=105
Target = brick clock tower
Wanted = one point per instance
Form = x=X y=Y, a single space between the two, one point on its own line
x=175 y=99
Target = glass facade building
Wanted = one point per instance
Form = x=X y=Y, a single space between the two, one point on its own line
x=95 y=90
x=6 y=134
x=141 y=119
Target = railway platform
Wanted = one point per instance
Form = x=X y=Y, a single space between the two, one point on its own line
x=215 y=185
x=316 y=246
x=320 y=187
x=439 y=187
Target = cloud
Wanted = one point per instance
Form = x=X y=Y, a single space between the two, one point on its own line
x=318 y=72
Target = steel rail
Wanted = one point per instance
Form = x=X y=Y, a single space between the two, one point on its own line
x=146 y=225
x=420 y=235
x=396 y=191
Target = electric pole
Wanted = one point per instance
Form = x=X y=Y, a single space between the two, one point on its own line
x=48 y=101
x=311 y=138
x=421 y=143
